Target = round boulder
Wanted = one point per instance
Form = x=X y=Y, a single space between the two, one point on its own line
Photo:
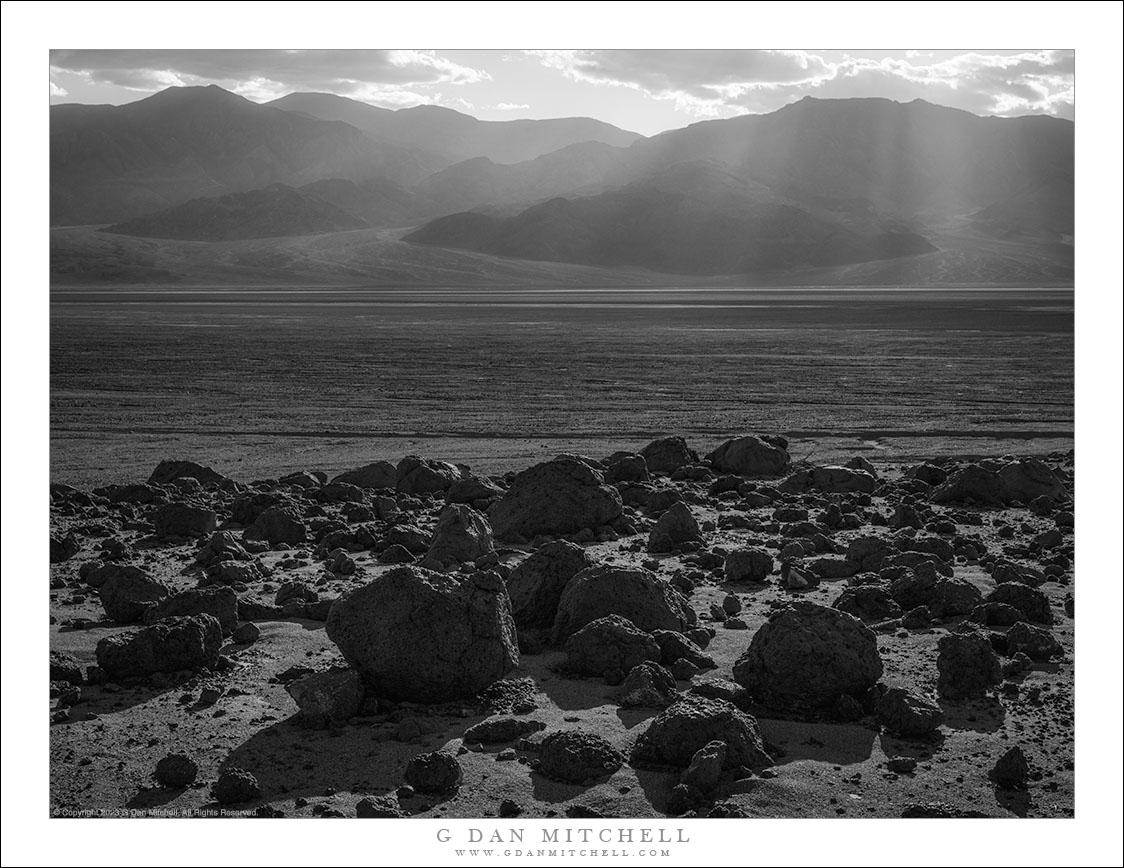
x=675 y=527
x=907 y=713
x=668 y=454
x=609 y=644
x=649 y=602
x=462 y=534
x=748 y=565
x=557 y=497
x=967 y=665
x=809 y=655
x=752 y=456
x=575 y=756
x=536 y=585
x=427 y=637
x=434 y=772
x=128 y=592
x=680 y=731
x=187 y=642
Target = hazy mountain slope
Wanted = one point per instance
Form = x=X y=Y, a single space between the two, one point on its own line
x=275 y=211
x=454 y=134
x=111 y=163
x=694 y=219
x=914 y=159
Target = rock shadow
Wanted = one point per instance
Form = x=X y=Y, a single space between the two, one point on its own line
x=980 y=715
x=630 y=717
x=836 y=743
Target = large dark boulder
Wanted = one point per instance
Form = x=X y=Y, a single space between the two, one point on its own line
x=278 y=524
x=221 y=602
x=376 y=475
x=461 y=535
x=575 y=756
x=752 y=456
x=188 y=642
x=128 y=592
x=609 y=644
x=907 y=712
x=169 y=471
x=966 y=665
x=681 y=730
x=328 y=697
x=427 y=637
x=1031 y=602
x=675 y=527
x=809 y=655
x=536 y=585
x=648 y=601
x=562 y=496
x=973 y=484
x=1029 y=478
x=868 y=603
x=416 y=475
x=668 y=454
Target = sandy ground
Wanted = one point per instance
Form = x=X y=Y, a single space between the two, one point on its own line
x=103 y=757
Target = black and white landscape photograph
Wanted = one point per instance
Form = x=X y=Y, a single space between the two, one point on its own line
x=552 y=438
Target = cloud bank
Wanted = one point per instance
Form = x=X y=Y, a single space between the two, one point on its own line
x=391 y=77
x=720 y=83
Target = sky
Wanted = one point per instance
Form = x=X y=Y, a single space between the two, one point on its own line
x=644 y=90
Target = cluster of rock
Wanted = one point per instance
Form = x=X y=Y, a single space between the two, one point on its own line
x=473 y=570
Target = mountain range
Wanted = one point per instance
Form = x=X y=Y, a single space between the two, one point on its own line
x=819 y=184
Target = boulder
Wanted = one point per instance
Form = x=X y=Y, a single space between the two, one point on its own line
x=326 y=698
x=379 y=807
x=1012 y=770
x=609 y=644
x=65 y=667
x=748 y=565
x=949 y=598
x=128 y=592
x=675 y=646
x=435 y=772
x=501 y=729
x=575 y=756
x=966 y=665
x=972 y=483
x=681 y=730
x=907 y=713
x=675 y=527
x=471 y=489
x=752 y=456
x=626 y=467
x=809 y=655
x=842 y=480
x=416 y=475
x=176 y=770
x=235 y=786
x=1037 y=643
x=278 y=525
x=705 y=770
x=461 y=535
x=562 y=496
x=1034 y=605
x=1030 y=478
x=168 y=471
x=427 y=637
x=868 y=552
x=187 y=642
x=536 y=585
x=376 y=475
x=868 y=603
x=220 y=602
x=668 y=454
x=649 y=602
x=648 y=685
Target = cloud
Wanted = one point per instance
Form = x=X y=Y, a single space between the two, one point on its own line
x=721 y=83
x=57 y=91
x=390 y=77
x=512 y=106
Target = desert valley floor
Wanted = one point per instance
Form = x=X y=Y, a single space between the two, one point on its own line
x=917 y=512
